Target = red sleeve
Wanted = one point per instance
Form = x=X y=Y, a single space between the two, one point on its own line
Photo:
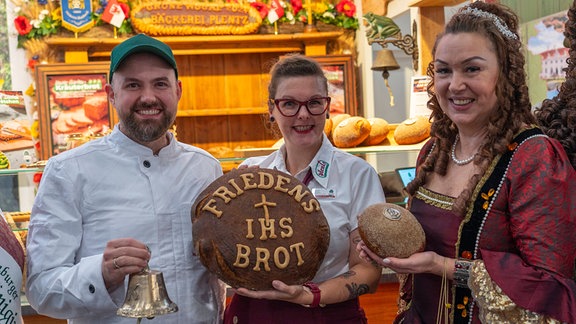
x=541 y=186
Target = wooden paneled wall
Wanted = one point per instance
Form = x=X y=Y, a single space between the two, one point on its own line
x=224 y=100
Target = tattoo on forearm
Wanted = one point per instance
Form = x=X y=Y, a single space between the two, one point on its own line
x=348 y=274
x=356 y=290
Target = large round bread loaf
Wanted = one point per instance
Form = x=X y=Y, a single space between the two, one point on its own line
x=391 y=231
x=378 y=131
x=351 y=132
x=412 y=130
x=254 y=225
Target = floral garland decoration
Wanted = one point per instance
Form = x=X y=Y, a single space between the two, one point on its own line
x=341 y=14
x=36 y=19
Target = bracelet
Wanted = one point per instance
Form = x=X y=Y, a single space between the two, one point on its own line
x=462 y=273
x=315 y=293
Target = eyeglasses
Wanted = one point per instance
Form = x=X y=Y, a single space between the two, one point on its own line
x=291 y=107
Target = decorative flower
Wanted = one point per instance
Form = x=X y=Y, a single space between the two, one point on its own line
x=261 y=7
x=32 y=63
x=35 y=129
x=37 y=177
x=346 y=7
x=23 y=25
x=296 y=6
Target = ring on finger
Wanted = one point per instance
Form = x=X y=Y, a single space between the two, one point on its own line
x=116 y=266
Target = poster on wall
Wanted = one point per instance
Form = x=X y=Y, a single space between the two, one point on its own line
x=546 y=55
x=14 y=122
x=72 y=103
x=419 y=96
x=339 y=70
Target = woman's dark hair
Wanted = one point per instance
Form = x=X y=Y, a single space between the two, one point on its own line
x=499 y=25
x=294 y=65
x=557 y=116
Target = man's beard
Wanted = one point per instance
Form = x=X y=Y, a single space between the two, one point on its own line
x=146 y=131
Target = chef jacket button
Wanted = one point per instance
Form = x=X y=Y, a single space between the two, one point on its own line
x=146 y=163
x=91 y=288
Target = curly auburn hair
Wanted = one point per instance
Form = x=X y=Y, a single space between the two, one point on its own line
x=557 y=116
x=514 y=108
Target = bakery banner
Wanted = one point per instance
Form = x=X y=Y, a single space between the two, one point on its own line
x=181 y=18
x=11 y=279
x=77 y=15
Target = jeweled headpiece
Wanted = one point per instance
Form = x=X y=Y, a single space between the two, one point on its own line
x=498 y=22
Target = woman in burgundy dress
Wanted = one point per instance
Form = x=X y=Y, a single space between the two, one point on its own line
x=494 y=194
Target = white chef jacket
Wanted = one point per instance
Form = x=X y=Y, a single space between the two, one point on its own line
x=113 y=188
x=344 y=185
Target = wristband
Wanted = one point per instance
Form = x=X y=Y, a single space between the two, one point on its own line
x=462 y=273
x=315 y=293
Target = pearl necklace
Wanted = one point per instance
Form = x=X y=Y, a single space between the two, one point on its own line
x=453 y=155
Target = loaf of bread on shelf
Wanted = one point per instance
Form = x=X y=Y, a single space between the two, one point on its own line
x=378 y=131
x=96 y=107
x=413 y=130
x=337 y=119
x=351 y=132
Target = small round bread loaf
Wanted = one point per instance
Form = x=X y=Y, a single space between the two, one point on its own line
x=391 y=231
x=378 y=131
x=254 y=225
x=351 y=132
x=412 y=130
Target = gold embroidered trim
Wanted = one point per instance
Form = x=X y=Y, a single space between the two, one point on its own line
x=435 y=199
x=494 y=305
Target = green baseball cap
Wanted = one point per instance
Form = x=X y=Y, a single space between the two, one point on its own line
x=141 y=43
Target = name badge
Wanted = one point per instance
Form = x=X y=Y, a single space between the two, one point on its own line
x=322 y=193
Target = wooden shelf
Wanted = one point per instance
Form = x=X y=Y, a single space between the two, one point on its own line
x=78 y=50
x=245 y=153
x=222 y=112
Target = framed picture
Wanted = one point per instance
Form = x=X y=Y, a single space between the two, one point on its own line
x=72 y=105
x=339 y=69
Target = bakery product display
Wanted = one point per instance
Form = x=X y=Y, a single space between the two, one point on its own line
x=391 y=231
x=378 y=131
x=413 y=130
x=255 y=225
x=351 y=132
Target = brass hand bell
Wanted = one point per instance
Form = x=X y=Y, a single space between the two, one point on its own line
x=146 y=296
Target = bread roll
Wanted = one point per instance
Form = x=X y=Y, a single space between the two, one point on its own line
x=391 y=231
x=337 y=120
x=351 y=132
x=412 y=130
x=378 y=131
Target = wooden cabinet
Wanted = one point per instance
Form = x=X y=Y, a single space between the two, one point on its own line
x=224 y=80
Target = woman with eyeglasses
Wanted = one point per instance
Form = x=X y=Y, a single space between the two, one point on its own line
x=343 y=184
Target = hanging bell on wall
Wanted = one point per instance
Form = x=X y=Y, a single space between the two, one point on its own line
x=146 y=296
